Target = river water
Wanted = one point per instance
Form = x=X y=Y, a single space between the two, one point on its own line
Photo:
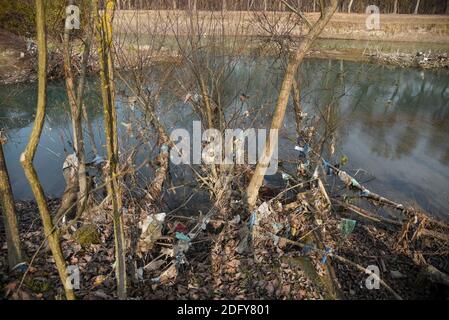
x=391 y=123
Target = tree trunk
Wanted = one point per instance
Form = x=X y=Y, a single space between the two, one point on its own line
x=75 y=101
x=28 y=155
x=297 y=105
x=9 y=214
x=395 y=8
x=417 y=6
x=350 y=6
x=90 y=130
x=104 y=38
x=279 y=113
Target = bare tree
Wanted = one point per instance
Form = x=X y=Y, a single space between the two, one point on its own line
x=75 y=98
x=279 y=113
x=28 y=155
x=9 y=214
x=104 y=39
x=395 y=8
x=417 y=7
x=350 y=5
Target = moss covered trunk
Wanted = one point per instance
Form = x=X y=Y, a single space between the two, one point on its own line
x=104 y=38
x=9 y=214
x=27 y=156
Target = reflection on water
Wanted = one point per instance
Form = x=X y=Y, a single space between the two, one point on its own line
x=393 y=123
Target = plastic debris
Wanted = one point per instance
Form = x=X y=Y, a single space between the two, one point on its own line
x=139 y=274
x=303 y=151
x=236 y=220
x=327 y=168
x=188 y=97
x=164 y=148
x=286 y=176
x=275 y=240
x=355 y=183
x=277 y=227
x=180 y=227
x=260 y=213
x=365 y=193
x=21 y=267
x=192 y=98
x=179 y=251
x=128 y=126
x=182 y=236
x=344 y=160
x=326 y=253
x=348 y=180
x=315 y=173
x=305 y=165
x=204 y=225
x=98 y=160
x=168 y=252
x=347 y=226
x=151 y=231
x=71 y=162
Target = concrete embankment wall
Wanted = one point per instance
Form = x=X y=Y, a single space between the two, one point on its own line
x=413 y=28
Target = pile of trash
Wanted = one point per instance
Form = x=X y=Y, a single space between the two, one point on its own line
x=420 y=59
x=306 y=240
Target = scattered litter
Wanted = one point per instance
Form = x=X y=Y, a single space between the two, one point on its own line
x=346 y=226
x=344 y=160
x=286 y=176
x=164 y=148
x=180 y=227
x=236 y=220
x=327 y=168
x=397 y=275
x=21 y=267
x=168 y=252
x=260 y=213
x=182 y=236
x=139 y=274
x=98 y=160
x=71 y=162
x=151 y=231
x=303 y=151
x=326 y=253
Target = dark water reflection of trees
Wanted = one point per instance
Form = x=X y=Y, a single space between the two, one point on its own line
x=392 y=122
